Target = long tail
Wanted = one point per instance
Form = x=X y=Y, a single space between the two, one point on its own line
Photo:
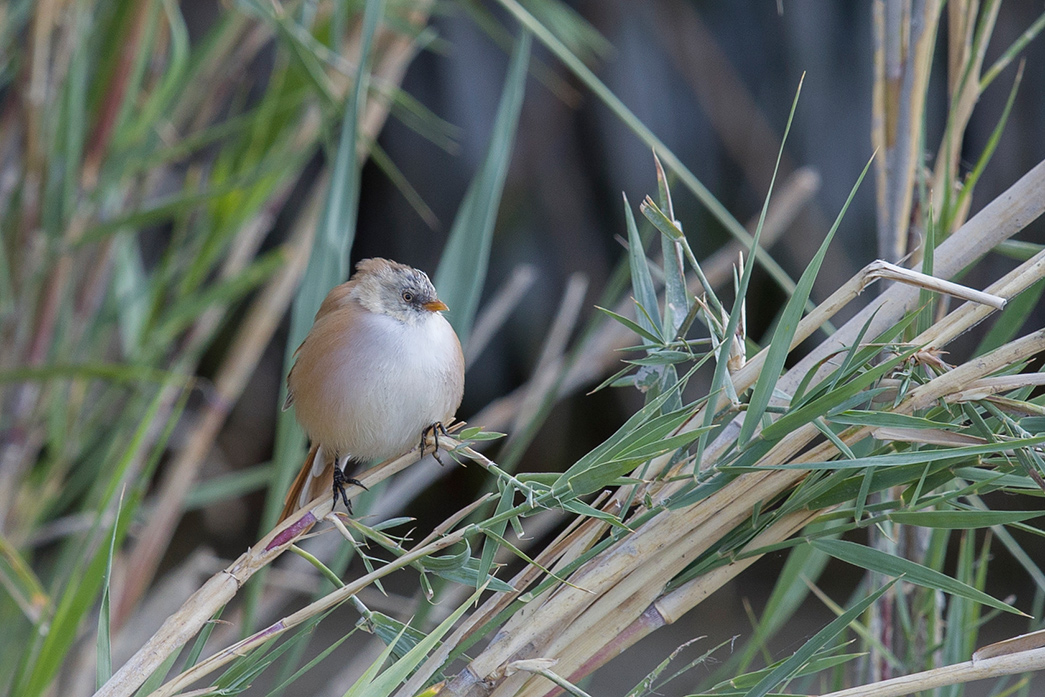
x=314 y=478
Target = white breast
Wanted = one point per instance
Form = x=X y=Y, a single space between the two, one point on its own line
x=387 y=382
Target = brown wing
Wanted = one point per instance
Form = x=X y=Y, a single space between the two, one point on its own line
x=335 y=299
x=306 y=482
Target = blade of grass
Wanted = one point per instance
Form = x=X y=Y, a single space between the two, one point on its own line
x=790 y=667
x=642 y=281
x=462 y=267
x=780 y=344
x=390 y=679
x=676 y=297
x=585 y=75
x=912 y=572
x=103 y=658
x=720 y=375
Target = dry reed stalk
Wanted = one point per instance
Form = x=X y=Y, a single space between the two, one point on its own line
x=327 y=602
x=956 y=674
x=904 y=37
x=493 y=316
x=655 y=552
x=733 y=111
x=885 y=270
x=222 y=587
x=671 y=606
x=548 y=372
x=578 y=536
x=428 y=547
x=964 y=69
x=603 y=630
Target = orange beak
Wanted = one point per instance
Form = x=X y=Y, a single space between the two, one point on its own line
x=435 y=306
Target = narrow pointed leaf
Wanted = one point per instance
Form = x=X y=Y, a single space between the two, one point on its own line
x=780 y=344
x=641 y=280
x=462 y=268
x=913 y=572
x=794 y=663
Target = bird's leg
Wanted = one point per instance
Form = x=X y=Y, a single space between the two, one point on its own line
x=434 y=430
x=339 y=483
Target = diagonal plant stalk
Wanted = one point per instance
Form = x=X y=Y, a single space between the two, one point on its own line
x=956 y=674
x=905 y=35
x=221 y=588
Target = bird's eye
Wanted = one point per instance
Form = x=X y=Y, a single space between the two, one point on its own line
x=408 y=296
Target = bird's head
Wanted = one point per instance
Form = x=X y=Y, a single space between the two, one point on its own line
x=396 y=290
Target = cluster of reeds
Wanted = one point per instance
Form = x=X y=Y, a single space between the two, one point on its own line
x=872 y=429
x=140 y=183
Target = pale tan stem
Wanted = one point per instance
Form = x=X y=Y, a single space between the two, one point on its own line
x=577 y=537
x=497 y=310
x=969 y=671
x=222 y=587
x=905 y=34
x=883 y=269
x=668 y=608
x=327 y=602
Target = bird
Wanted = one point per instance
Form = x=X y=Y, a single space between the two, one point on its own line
x=380 y=368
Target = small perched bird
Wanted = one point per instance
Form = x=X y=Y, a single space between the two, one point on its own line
x=379 y=368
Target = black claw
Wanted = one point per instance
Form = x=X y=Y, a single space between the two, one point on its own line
x=339 y=487
x=433 y=429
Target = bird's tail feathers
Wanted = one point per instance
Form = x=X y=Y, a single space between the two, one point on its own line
x=315 y=477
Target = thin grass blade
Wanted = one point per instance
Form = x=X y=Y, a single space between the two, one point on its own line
x=912 y=572
x=780 y=344
x=462 y=268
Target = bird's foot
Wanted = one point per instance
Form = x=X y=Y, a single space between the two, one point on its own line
x=340 y=480
x=434 y=430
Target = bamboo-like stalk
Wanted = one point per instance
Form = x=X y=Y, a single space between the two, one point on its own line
x=670 y=607
x=578 y=536
x=905 y=33
x=548 y=371
x=965 y=21
x=222 y=587
x=493 y=316
x=327 y=602
x=956 y=674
